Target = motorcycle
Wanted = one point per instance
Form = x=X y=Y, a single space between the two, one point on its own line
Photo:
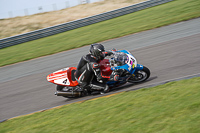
x=121 y=62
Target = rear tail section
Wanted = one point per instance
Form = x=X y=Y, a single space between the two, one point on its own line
x=64 y=77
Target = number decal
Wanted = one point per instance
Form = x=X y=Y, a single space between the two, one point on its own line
x=131 y=64
x=65 y=81
x=132 y=59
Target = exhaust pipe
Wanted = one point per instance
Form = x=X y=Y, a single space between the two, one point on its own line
x=68 y=94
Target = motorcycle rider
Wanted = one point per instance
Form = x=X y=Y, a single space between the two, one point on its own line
x=88 y=73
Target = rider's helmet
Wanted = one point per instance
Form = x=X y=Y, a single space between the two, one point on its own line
x=97 y=50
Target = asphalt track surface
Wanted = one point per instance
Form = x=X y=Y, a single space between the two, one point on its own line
x=170 y=52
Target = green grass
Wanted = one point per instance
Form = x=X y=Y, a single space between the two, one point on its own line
x=170 y=108
x=172 y=12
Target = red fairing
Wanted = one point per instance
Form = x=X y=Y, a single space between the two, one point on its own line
x=105 y=68
x=69 y=72
x=63 y=77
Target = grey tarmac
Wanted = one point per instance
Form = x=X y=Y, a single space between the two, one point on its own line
x=170 y=52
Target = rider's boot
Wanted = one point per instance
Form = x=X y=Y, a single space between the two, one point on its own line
x=105 y=90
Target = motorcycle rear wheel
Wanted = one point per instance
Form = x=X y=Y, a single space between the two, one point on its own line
x=140 y=76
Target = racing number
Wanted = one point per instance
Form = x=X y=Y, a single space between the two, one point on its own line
x=65 y=81
x=131 y=64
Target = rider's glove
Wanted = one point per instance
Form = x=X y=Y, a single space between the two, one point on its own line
x=113 y=49
x=114 y=76
x=100 y=78
x=108 y=53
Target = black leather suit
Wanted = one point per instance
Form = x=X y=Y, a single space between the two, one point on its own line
x=88 y=73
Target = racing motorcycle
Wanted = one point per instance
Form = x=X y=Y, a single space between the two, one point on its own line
x=121 y=62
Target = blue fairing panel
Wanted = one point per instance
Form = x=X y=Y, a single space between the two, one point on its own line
x=124 y=51
x=139 y=67
x=120 y=67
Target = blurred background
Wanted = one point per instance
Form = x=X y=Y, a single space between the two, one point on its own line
x=22 y=16
x=14 y=8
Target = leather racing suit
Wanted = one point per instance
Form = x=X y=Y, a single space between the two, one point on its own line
x=88 y=73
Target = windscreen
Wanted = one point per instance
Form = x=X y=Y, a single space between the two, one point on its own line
x=119 y=59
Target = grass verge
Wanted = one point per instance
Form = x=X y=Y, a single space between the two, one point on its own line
x=172 y=107
x=158 y=16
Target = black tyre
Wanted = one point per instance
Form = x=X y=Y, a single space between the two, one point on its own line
x=140 y=76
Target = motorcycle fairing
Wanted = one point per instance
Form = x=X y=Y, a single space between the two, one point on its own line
x=139 y=67
x=63 y=77
x=105 y=68
x=124 y=51
x=130 y=65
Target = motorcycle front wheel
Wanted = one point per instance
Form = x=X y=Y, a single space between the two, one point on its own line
x=140 y=76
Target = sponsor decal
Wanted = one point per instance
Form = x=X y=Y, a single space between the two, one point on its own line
x=57 y=76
